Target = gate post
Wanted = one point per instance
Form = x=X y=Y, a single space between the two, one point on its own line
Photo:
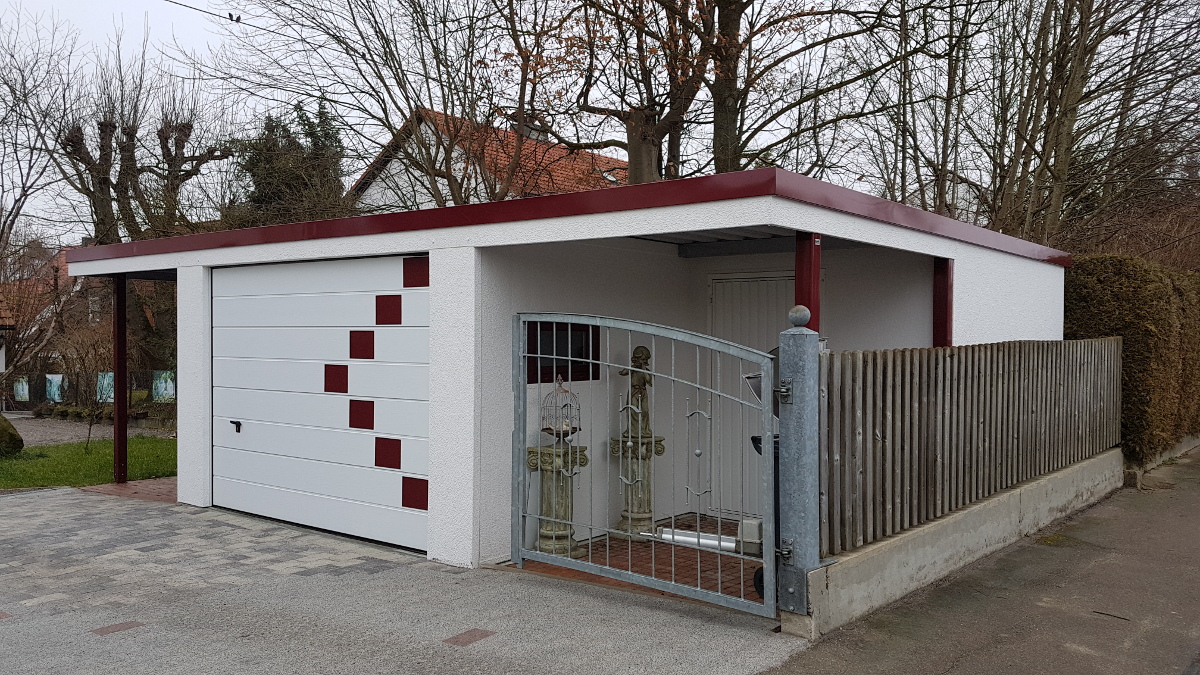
x=798 y=501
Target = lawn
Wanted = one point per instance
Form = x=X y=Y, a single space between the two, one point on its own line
x=71 y=464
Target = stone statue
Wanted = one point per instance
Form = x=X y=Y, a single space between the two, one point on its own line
x=639 y=396
x=636 y=447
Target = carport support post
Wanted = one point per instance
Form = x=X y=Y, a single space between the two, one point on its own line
x=799 y=501
x=120 y=383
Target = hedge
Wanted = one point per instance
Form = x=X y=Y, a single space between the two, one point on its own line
x=1156 y=311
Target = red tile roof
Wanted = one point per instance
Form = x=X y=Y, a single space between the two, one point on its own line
x=7 y=322
x=542 y=169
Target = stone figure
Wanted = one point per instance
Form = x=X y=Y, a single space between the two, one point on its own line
x=636 y=449
x=639 y=395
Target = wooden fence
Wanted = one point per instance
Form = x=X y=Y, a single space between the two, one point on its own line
x=908 y=435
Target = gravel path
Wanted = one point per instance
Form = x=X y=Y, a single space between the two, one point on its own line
x=46 y=431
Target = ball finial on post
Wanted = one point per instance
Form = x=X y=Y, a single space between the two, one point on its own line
x=799 y=316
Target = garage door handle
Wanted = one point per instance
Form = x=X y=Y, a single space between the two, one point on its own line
x=237 y=426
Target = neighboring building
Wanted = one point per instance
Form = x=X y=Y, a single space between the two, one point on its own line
x=490 y=162
x=357 y=374
x=7 y=324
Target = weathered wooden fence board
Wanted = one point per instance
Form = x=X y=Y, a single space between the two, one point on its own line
x=908 y=435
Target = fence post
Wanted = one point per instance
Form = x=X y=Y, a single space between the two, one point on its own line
x=799 y=505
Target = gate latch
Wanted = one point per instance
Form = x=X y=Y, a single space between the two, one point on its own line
x=785 y=391
x=785 y=551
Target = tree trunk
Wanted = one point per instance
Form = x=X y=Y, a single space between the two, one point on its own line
x=644 y=150
x=726 y=95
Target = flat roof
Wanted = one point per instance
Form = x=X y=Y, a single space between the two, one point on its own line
x=726 y=186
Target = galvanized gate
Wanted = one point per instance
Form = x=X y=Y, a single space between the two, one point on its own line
x=638 y=455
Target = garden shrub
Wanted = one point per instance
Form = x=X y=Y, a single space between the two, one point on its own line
x=1157 y=313
x=11 y=442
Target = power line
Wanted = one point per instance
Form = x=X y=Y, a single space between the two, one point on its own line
x=232 y=19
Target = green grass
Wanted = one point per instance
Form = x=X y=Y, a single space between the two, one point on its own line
x=70 y=464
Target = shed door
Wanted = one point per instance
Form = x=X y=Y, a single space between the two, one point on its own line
x=321 y=394
x=750 y=311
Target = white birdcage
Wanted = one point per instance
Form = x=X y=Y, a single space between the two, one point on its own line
x=560 y=412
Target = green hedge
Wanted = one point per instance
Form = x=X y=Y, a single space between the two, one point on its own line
x=1156 y=311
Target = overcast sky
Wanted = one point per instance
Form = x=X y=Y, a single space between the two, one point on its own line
x=95 y=19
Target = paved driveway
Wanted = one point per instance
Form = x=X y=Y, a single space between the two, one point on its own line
x=91 y=583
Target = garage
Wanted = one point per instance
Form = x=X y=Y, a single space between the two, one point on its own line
x=320 y=395
x=332 y=376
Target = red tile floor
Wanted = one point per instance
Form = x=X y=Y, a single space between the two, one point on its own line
x=151 y=489
x=724 y=573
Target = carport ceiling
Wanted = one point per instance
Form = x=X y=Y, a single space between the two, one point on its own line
x=752 y=240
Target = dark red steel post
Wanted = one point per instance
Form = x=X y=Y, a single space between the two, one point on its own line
x=943 y=302
x=808 y=276
x=120 y=383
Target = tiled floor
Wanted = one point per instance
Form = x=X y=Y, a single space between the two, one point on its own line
x=724 y=573
x=151 y=489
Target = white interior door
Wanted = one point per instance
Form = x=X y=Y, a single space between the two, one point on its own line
x=321 y=394
x=751 y=311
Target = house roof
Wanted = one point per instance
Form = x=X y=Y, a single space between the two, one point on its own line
x=543 y=168
x=727 y=186
x=7 y=322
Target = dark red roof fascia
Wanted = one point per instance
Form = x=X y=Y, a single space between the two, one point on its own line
x=756 y=183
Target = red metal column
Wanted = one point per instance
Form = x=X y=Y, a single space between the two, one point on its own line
x=120 y=383
x=808 y=276
x=943 y=302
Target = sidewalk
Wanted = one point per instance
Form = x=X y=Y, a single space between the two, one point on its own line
x=1115 y=589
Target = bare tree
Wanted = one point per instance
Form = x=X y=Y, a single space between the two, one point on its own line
x=131 y=145
x=423 y=80
x=37 y=60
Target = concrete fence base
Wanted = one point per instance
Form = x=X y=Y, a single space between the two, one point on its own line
x=871 y=577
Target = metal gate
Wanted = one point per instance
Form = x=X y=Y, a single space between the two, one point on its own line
x=638 y=455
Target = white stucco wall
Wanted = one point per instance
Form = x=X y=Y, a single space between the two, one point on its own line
x=455 y=404
x=628 y=279
x=193 y=389
x=876 y=298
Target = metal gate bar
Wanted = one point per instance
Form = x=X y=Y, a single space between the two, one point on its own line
x=711 y=552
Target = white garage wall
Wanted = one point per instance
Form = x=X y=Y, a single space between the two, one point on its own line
x=194 y=385
x=876 y=298
x=630 y=279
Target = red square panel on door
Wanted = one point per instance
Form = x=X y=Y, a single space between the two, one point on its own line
x=388 y=310
x=416 y=272
x=362 y=414
x=387 y=453
x=414 y=493
x=362 y=344
x=337 y=379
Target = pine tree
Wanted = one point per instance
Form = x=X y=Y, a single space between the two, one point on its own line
x=294 y=172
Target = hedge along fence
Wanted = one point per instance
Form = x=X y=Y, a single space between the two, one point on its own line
x=1157 y=312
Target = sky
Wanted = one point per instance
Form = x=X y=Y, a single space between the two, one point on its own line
x=96 y=19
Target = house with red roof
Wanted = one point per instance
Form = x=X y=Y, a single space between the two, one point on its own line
x=437 y=159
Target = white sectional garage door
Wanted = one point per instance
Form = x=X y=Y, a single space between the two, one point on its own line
x=321 y=394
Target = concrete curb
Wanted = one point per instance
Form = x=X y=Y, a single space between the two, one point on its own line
x=881 y=573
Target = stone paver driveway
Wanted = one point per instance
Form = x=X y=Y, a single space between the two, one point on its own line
x=91 y=583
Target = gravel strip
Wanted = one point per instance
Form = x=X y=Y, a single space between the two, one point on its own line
x=45 y=431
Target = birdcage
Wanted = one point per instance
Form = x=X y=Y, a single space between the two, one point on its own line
x=560 y=412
